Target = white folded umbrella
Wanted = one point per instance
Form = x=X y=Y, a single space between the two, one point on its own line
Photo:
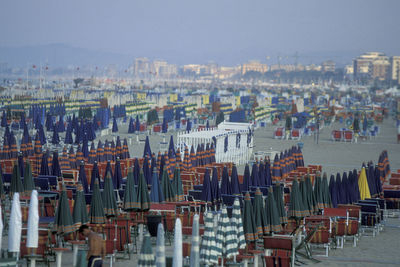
x=160 y=249
x=14 y=232
x=32 y=239
x=178 y=258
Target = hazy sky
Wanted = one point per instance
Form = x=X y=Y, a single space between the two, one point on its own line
x=204 y=30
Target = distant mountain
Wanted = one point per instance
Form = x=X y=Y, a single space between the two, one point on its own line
x=58 y=55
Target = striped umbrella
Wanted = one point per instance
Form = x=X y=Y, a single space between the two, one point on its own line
x=178 y=157
x=156 y=194
x=208 y=249
x=29 y=147
x=143 y=198
x=79 y=155
x=237 y=226
x=6 y=149
x=193 y=157
x=125 y=150
x=28 y=180
x=260 y=218
x=160 y=249
x=167 y=189
x=63 y=223
x=177 y=260
x=38 y=145
x=146 y=256
x=64 y=162
x=249 y=225
x=130 y=197
x=195 y=249
x=92 y=154
x=276 y=169
x=186 y=159
x=177 y=184
x=118 y=148
x=109 y=200
x=278 y=197
x=82 y=178
x=13 y=146
x=96 y=214
x=113 y=151
x=272 y=213
x=79 y=213
x=16 y=183
x=100 y=152
x=226 y=237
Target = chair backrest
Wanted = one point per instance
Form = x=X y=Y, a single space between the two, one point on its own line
x=279 y=242
x=51 y=179
x=391 y=193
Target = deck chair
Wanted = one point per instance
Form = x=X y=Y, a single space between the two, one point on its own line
x=341 y=221
x=279 y=133
x=392 y=198
x=322 y=234
x=280 y=249
x=42 y=183
x=348 y=136
x=369 y=217
x=295 y=134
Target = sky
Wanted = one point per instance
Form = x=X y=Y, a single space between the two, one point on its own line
x=223 y=31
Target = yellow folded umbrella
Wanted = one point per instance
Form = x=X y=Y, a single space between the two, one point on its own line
x=363 y=185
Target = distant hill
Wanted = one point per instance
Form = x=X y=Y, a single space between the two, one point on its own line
x=57 y=55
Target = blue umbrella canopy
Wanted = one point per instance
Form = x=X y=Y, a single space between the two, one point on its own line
x=130 y=195
x=147 y=149
x=131 y=127
x=341 y=197
x=82 y=178
x=333 y=191
x=261 y=174
x=225 y=184
x=136 y=171
x=234 y=185
x=156 y=194
x=254 y=175
x=378 y=183
x=206 y=193
x=55 y=166
x=60 y=125
x=117 y=178
x=95 y=175
x=21 y=165
x=146 y=170
x=68 y=134
x=42 y=136
x=4 y=120
x=56 y=139
x=215 y=190
x=115 y=126
x=108 y=170
x=85 y=147
x=268 y=176
x=188 y=125
x=44 y=167
x=164 y=126
x=246 y=178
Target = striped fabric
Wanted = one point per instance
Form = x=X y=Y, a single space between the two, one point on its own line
x=208 y=250
x=226 y=236
x=64 y=162
x=125 y=150
x=237 y=225
x=195 y=248
x=146 y=256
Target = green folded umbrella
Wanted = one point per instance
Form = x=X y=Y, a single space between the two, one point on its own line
x=168 y=190
x=249 y=226
x=260 y=218
x=79 y=213
x=296 y=208
x=305 y=198
x=109 y=200
x=2 y=194
x=130 y=197
x=28 y=181
x=63 y=223
x=96 y=214
x=177 y=184
x=278 y=196
x=311 y=196
x=325 y=192
x=319 y=198
x=143 y=197
x=272 y=214
x=16 y=183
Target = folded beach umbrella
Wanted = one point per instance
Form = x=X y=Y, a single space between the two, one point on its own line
x=188 y=126
x=237 y=226
x=208 y=250
x=167 y=189
x=109 y=199
x=60 y=125
x=326 y=192
x=318 y=192
x=272 y=213
x=118 y=148
x=187 y=164
x=261 y=174
x=276 y=169
x=345 y=189
x=64 y=162
x=28 y=180
x=137 y=124
x=341 y=198
x=226 y=236
x=296 y=208
x=225 y=183
x=63 y=223
x=177 y=259
x=2 y=193
x=96 y=215
x=92 y=154
x=130 y=196
x=363 y=185
x=246 y=179
x=259 y=214
x=193 y=157
x=117 y=178
x=195 y=245
x=310 y=194
x=32 y=238
x=125 y=149
x=206 y=193
x=146 y=257
x=156 y=194
x=333 y=191
x=114 y=126
x=56 y=138
x=177 y=185
x=42 y=136
x=68 y=134
x=16 y=183
x=234 y=184
x=4 y=119
x=164 y=126
x=378 y=183
x=249 y=225
x=160 y=248
x=79 y=214
x=254 y=175
x=21 y=164
x=82 y=178
x=143 y=197
x=72 y=158
x=146 y=170
x=108 y=170
x=113 y=151
x=215 y=189
x=131 y=127
x=100 y=152
x=55 y=166
x=14 y=232
x=136 y=171
x=307 y=205
x=278 y=197
x=79 y=156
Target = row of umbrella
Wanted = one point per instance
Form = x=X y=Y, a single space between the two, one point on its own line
x=286 y=162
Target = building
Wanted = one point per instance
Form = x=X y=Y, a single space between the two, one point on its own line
x=141 y=67
x=255 y=66
x=372 y=64
x=328 y=66
x=395 y=68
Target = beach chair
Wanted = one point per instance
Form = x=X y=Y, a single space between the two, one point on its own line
x=341 y=221
x=279 y=133
x=42 y=183
x=281 y=249
x=392 y=198
x=295 y=134
x=369 y=217
x=336 y=135
x=321 y=234
x=348 y=136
